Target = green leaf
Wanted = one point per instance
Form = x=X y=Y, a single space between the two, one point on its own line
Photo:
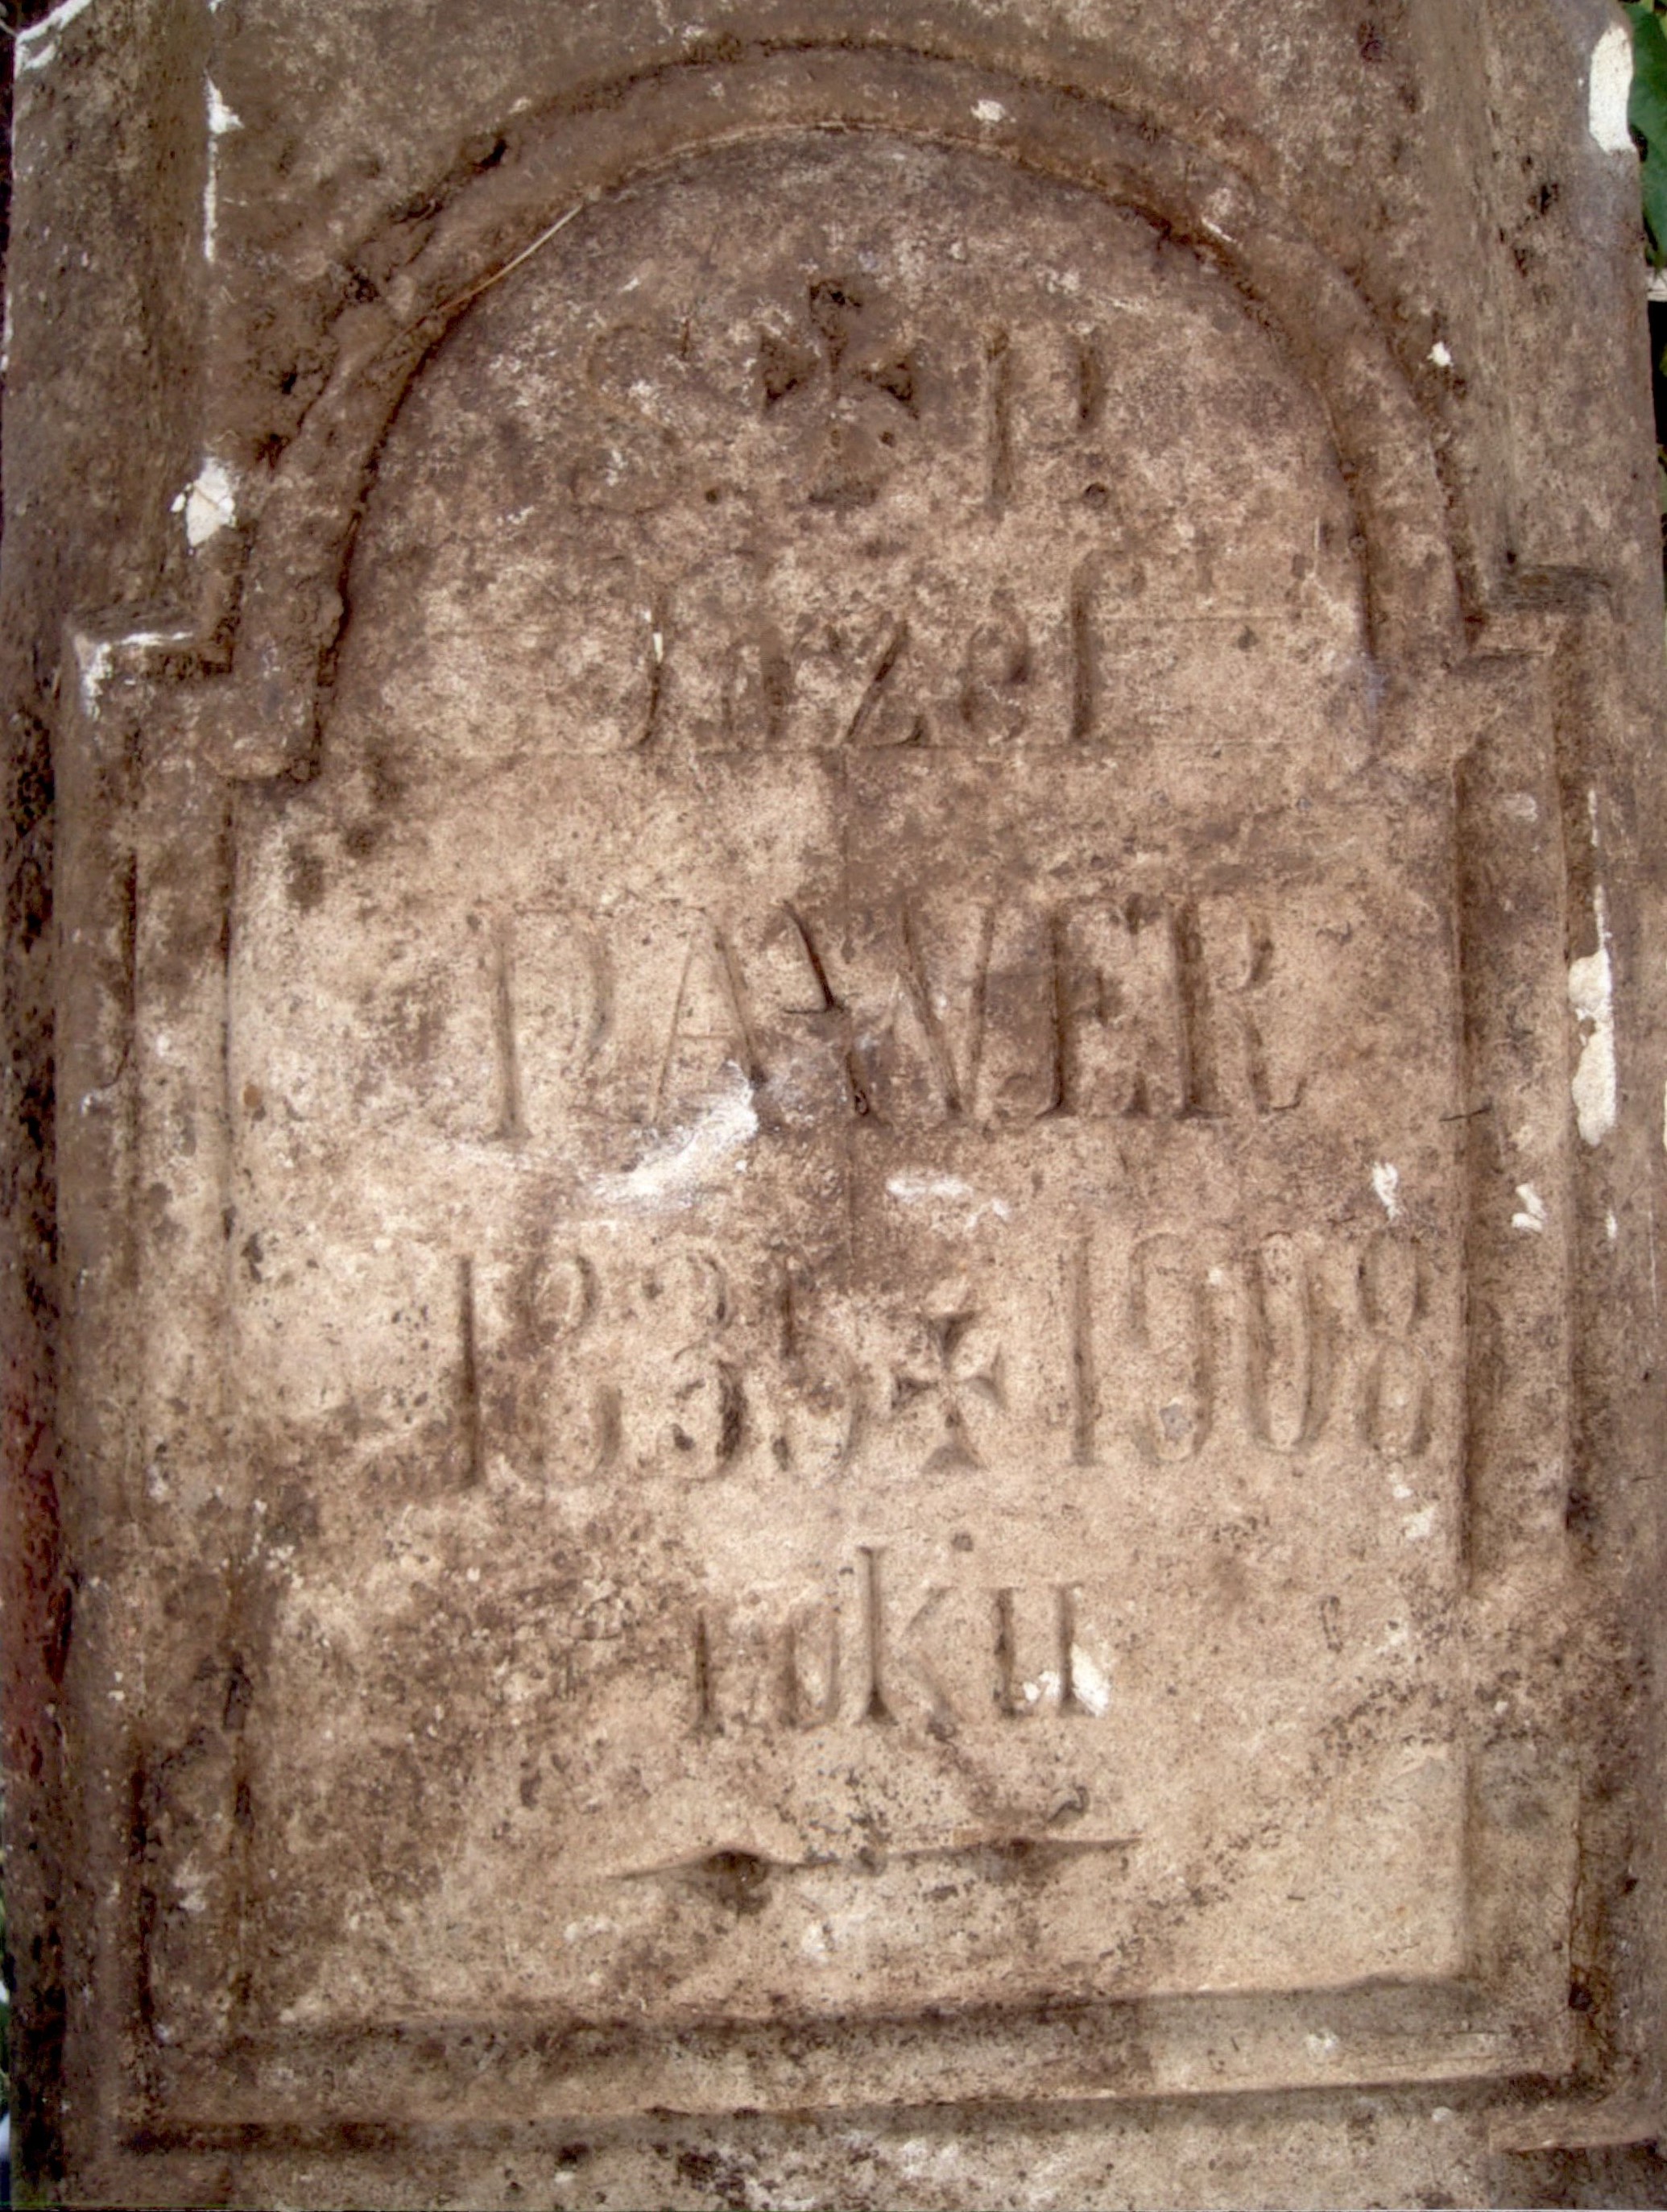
x=1646 y=109
x=1646 y=114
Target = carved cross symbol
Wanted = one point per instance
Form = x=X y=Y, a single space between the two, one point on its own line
x=869 y=382
x=960 y=1379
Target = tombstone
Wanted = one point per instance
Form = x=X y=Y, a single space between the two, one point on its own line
x=841 y=1385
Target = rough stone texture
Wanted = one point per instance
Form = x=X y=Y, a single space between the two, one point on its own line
x=835 y=845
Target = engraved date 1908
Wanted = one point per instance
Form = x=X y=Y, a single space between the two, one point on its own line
x=597 y=1370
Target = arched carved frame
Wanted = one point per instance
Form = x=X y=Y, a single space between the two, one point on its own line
x=291 y=608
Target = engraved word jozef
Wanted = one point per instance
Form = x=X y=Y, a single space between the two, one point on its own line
x=809 y=1245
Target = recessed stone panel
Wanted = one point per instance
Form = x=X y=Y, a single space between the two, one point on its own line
x=884 y=1428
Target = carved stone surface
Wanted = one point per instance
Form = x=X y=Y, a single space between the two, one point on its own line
x=858 y=1105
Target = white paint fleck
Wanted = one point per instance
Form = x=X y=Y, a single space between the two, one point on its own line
x=1217 y=231
x=221 y=120
x=917 y=1190
x=1442 y=2114
x=211 y=503
x=1441 y=354
x=1610 y=89
x=95 y=657
x=1417 y=1527
x=1591 y=997
x=191 y=1887
x=1521 y=806
x=913 y=1190
x=1611 y=1227
x=677 y=1173
x=34 y=48
x=1089 y=1682
x=1323 y=2043
x=1386 y=1181
x=1531 y=1217
x=989 y=110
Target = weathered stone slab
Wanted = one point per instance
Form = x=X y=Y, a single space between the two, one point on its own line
x=857 y=1136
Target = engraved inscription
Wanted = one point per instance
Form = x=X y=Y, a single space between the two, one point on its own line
x=954 y=1655
x=871 y=1430
x=1144 y=1357
x=999 y=1013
